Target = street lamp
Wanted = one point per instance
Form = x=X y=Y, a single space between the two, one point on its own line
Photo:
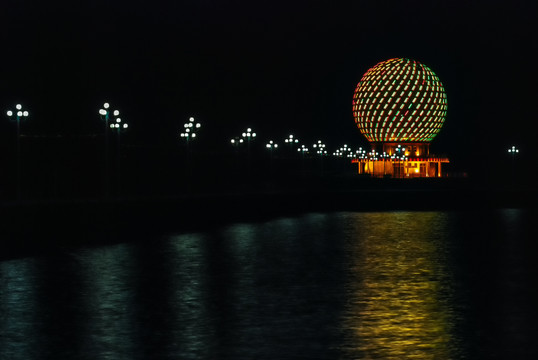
x=361 y=154
x=118 y=127
x=236 y=141
x=303 y=149
x=291 y=140
x=249 y=134
x=271 y=145
x=190 y=129
x=384 y=156
x=107 y=115
x=400 y=156
x=320 y=148
x=513 y=151
x=17 y=116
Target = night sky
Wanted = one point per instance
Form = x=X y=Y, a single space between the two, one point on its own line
x=276 y=66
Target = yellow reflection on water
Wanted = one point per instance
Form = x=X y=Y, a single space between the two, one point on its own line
x=397 y=303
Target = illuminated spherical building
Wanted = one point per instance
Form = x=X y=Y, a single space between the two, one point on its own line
x=400 y=105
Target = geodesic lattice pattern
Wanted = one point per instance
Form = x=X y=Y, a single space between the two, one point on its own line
x=399 y=100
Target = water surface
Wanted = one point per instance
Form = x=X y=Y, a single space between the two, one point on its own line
x=387 y=285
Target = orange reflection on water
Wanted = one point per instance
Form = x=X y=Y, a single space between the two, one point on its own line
x=398 y=304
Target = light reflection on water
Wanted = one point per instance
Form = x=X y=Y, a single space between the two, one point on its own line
x=399 y=296
x=17 y=309
x=394 y=285
x=106 y=294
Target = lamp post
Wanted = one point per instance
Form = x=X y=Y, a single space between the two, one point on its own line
x=320 y=150
x=249 y=136
x=236 y=141
x=107 y=116
x=513 y=151
x=303 y=150
x=118 y=127
x=290 y=140
x=400 y=156
x=271 y=146
x=384 y=156
x=17 y=115
x=189 y=132
x=190 y=129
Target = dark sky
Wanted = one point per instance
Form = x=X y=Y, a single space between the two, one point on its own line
x=277 y=66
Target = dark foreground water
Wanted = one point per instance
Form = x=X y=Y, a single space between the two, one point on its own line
x=388 y=285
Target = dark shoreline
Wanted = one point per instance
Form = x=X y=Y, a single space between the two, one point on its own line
x=29 y=227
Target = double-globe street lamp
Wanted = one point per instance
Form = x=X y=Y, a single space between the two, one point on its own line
x=17 y=116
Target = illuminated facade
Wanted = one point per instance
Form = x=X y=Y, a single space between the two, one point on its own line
x=400 y=105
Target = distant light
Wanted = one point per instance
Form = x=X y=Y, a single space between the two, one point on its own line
x=116 y=112
x=243 y=134
x=193 y=134
x=18 y=106
x=106 y=105
x=190 y=125
x=112 y=126
x=240 y=140
x=249 y=129
x=19 y=113
x=198 y=125
x=117 y=126
x=125 y=126
x=183 y=135
x=253 y=134
x=25 y=113
x=10 y=113
x=118 y=120
x=102 y=112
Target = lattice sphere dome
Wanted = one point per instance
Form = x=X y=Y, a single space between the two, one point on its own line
x=399 y=100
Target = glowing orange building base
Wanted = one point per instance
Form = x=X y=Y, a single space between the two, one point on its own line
x=404 y=160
